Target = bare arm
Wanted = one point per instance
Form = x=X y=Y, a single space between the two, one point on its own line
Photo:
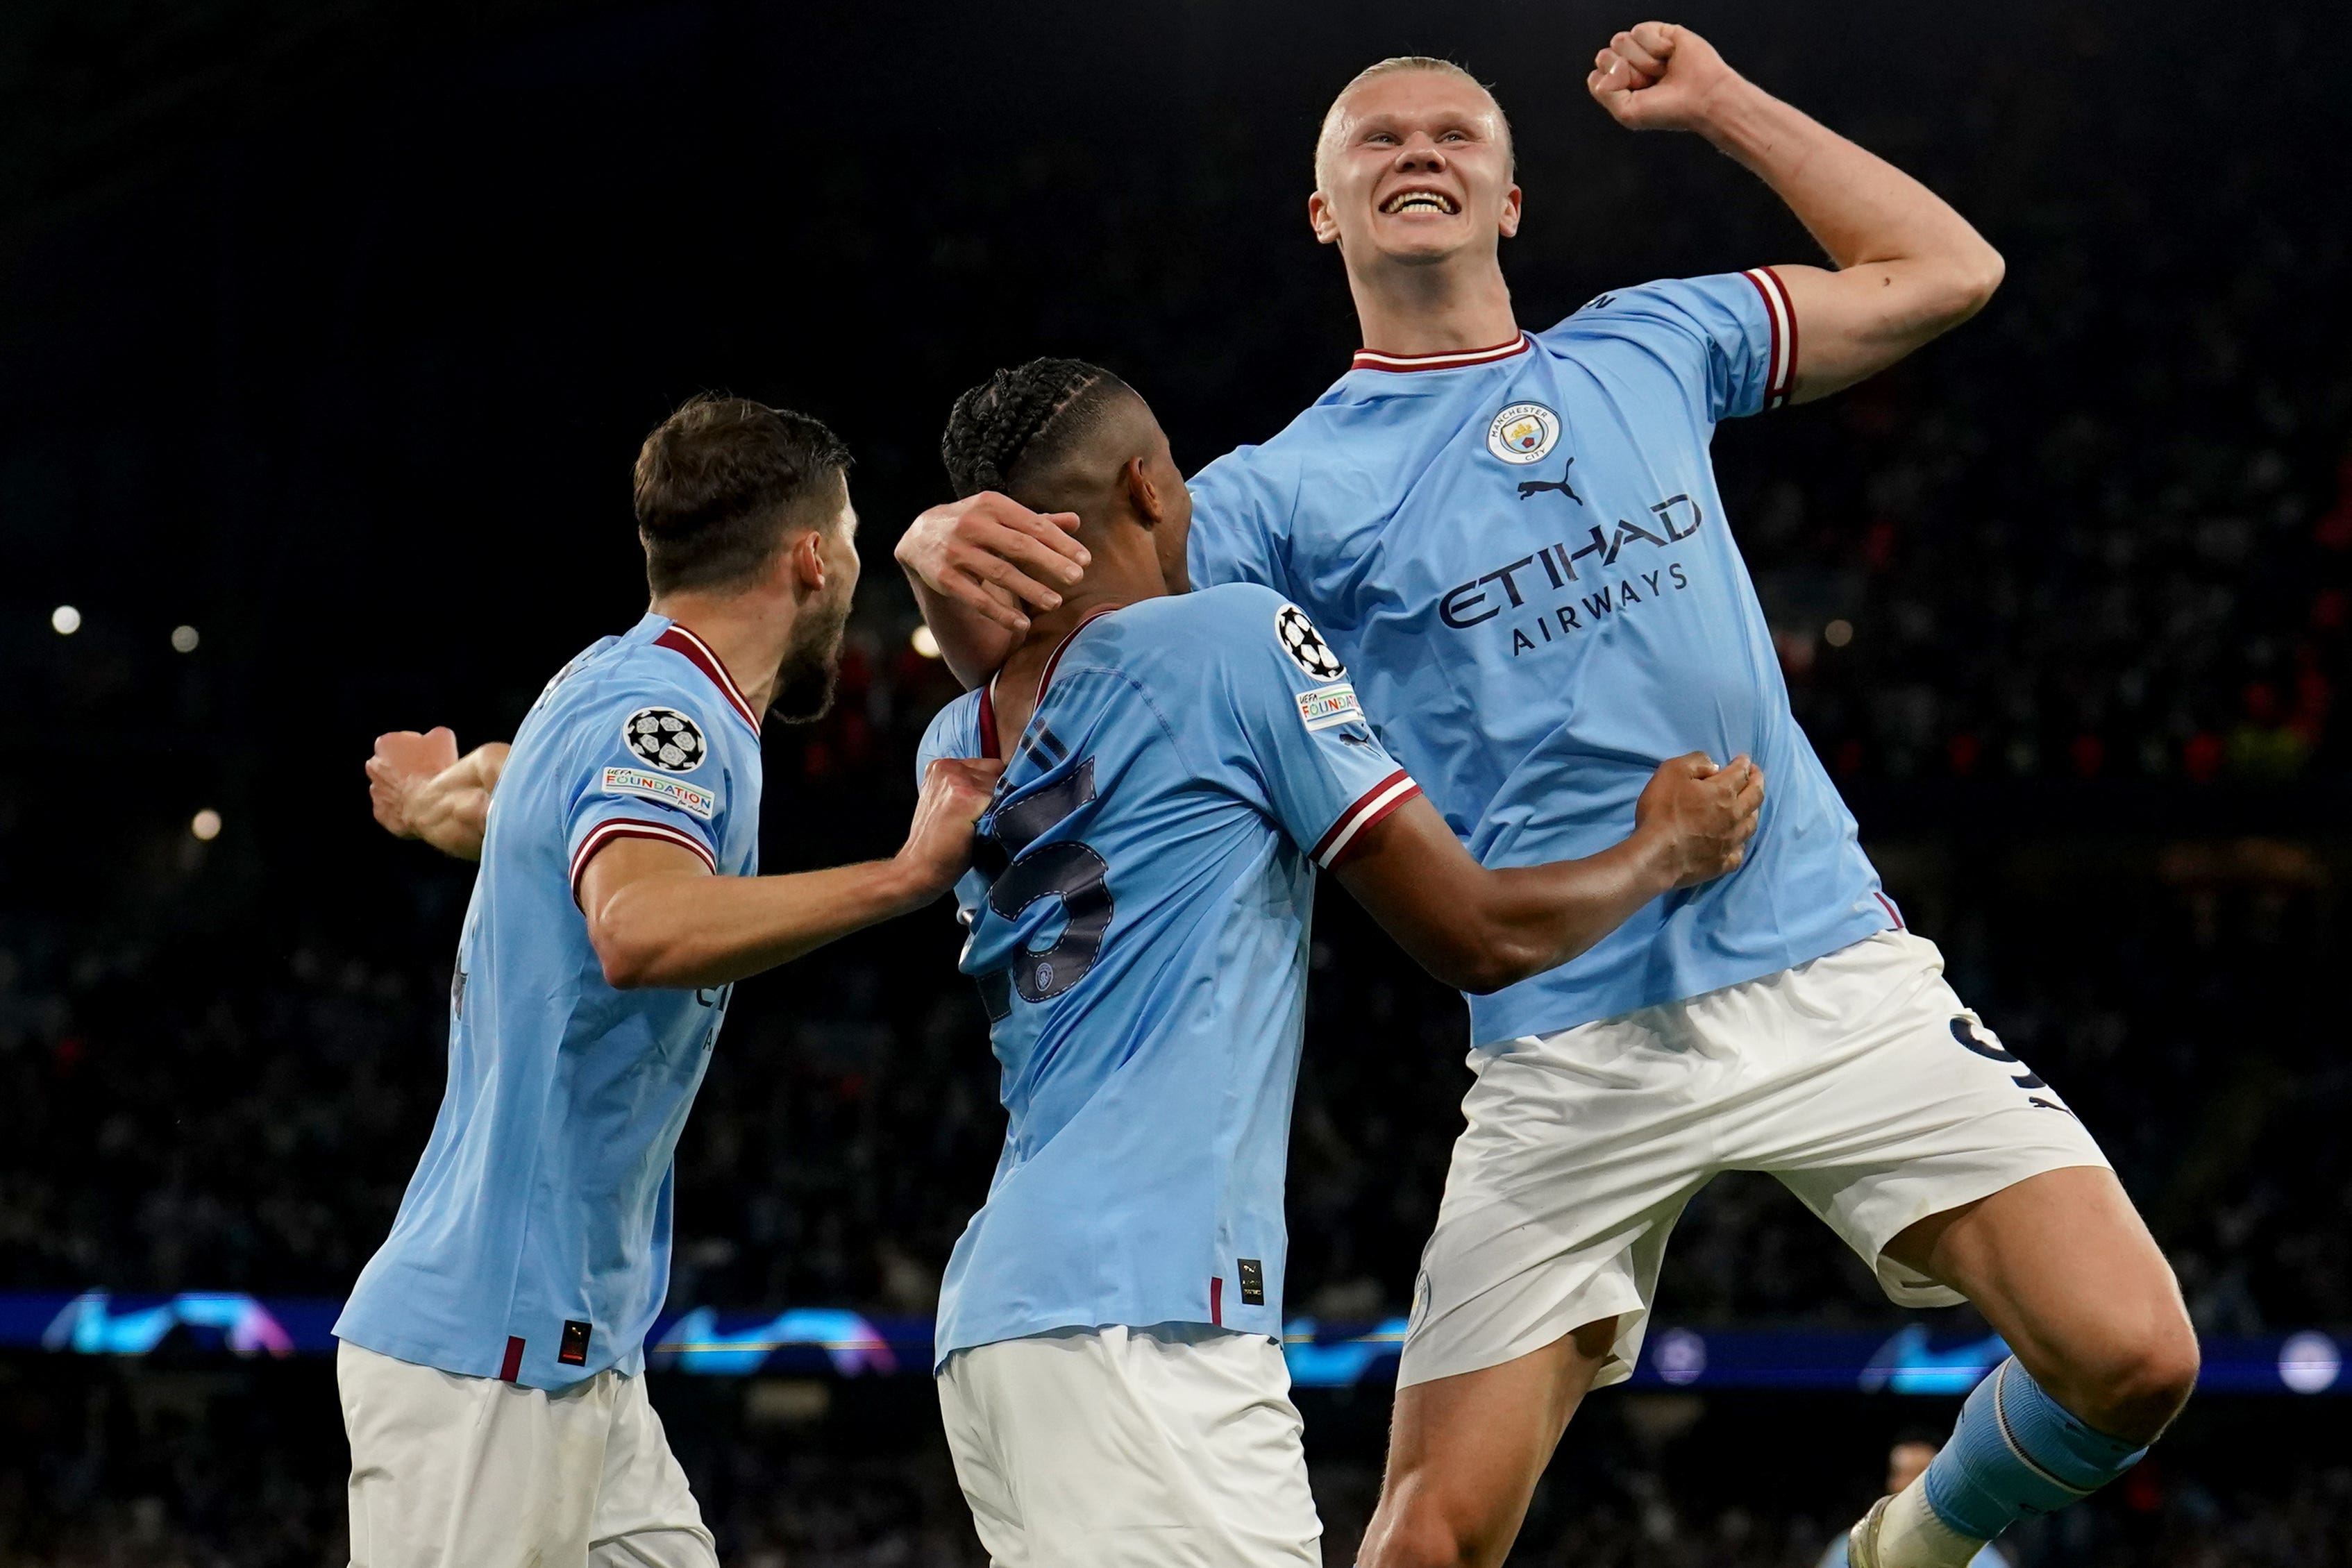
x=421 y=788
x=1909 y=268
x=1480 y=930
x=978 y=565
x=656 y=918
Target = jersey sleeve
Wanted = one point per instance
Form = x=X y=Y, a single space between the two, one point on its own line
x=1241 y=513
x=1730 y=340
x=1311 y=753
x=642 y=764
x=954 y=731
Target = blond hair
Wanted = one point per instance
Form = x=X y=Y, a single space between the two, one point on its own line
x=1391 y=66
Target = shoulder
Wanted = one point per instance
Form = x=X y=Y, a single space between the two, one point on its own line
x=1238 y=628
x=1181 y=619
x=1178 y=644
x=1247 y=478
x=1324 y=428
x=652 y=702
x=1690 y=306
x=954 y=730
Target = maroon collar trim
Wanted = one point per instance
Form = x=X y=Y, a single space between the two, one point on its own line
x=1372 y=360
x=989 y=744
x=678 y=640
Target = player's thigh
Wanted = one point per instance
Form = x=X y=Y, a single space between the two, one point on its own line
x=968 y=1393
x=1164 y=1449
x=1889 y=1101
x=1465 y=1452
x=2063 y=1268
x=1579 y=1149
x=646 y=1513
x=449 y=1471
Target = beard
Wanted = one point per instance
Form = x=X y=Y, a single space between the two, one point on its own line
x=811 y=669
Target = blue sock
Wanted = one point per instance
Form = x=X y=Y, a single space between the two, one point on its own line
x=2016 y=1451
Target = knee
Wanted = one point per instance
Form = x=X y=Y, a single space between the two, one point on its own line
x=2141 y=1384
x=1419 y=1535
x=1428 y=1542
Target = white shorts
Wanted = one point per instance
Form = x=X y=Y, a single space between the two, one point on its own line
x=470 y=1472
x=1173 y=1446
x=1858 y=1080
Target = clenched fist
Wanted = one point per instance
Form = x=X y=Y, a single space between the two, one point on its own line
x=1656 y=76
x=403 y=764
x=956 y=790
x=1700 y=816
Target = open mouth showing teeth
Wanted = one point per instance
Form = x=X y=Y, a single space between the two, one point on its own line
x=1420 y=202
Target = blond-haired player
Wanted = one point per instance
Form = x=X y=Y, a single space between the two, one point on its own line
x=1515 y=541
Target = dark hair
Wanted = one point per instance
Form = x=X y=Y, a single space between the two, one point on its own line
x=722 y=482
x=1031 y=414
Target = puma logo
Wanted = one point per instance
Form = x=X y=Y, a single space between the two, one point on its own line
x=1537 y=486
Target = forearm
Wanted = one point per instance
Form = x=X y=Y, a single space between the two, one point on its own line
x=1519 y=921
x=451 y=811
x=1862 y=209
x=685 y=930
x=1480 y=930
x=973 y=646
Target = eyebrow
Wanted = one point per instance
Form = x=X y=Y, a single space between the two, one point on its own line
x=1388 y=122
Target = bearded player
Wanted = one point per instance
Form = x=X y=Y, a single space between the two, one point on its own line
x=492 y=1348
x=1515 y=541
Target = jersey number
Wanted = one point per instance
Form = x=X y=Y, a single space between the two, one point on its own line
x=1070 y=872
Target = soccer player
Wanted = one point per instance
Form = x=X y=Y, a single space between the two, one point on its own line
x=1515 y=541
x=491 y=1349
x=1109 y=1357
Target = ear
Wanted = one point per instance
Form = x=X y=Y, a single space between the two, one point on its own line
x=1510 y=223
x=1322 y=219
x=804 y=562
x=1142 y=494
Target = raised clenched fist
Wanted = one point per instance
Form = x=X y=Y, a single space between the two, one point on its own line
x=1656 y=76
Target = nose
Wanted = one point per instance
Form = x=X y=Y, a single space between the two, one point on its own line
x=1420 y=154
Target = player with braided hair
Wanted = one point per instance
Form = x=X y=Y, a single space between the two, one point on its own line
x=1110 y=1371
x=1516 y=540
x=1031 y=412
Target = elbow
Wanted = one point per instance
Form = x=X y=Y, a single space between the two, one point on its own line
x=628 y=965
x=1970 y=283
x=1482 y=976
x=1502 y=957
x=1983 y=278
x=1486 y=964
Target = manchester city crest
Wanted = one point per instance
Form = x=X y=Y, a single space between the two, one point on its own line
x=1523 y=432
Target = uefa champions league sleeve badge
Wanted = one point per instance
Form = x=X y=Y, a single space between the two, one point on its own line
x=1306 y=645
x=666 y=738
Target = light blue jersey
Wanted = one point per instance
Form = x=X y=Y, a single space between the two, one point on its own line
x=1139 y=918
x=533 y=1243
x=1521 y=555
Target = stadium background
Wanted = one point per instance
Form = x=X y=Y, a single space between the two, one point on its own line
x=328 y=330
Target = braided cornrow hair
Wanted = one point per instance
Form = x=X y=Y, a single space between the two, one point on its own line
x=1030 y=412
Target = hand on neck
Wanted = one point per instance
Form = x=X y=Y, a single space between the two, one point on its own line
x=1123 y=570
